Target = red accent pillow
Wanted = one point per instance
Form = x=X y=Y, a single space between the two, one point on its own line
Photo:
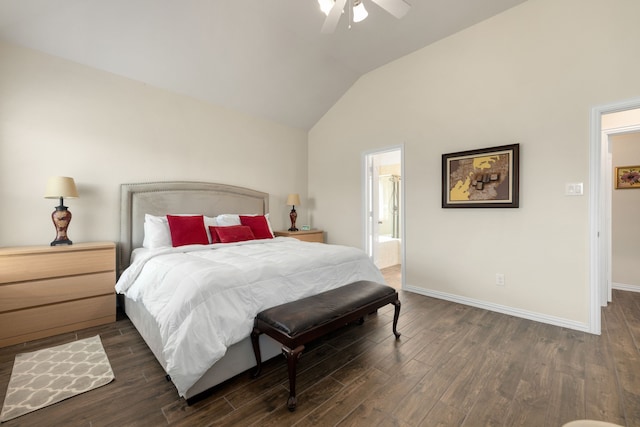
x=233 y=233
x=258 y=224
x=214 y=234
x=187 y=230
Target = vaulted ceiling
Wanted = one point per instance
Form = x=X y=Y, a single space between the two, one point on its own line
x=266 y=58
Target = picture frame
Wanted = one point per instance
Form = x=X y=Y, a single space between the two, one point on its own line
x=483 y=178
x=627 y=177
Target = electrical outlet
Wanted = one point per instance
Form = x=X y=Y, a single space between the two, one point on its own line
x=499 y=279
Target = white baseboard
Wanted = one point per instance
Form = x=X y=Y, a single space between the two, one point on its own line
x=530 y=315
x=623 y=287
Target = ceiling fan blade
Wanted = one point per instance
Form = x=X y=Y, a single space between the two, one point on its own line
x=333 y=17
x=397 y=8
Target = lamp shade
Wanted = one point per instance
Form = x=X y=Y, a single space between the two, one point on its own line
x=326 y=6
x=60 y=186
x=359 y=12
x=293 y=199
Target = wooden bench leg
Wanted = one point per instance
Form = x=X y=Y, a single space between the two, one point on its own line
x=255 y=342
x=292 y=361
x=396 y=314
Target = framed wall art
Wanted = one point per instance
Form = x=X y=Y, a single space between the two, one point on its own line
x=484 y=178
x=627 y=177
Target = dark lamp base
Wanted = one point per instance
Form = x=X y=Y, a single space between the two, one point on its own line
x=61 y=218
x=61 y=242
x=293 y=215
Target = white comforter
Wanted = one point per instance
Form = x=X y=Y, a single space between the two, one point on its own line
x=204 y=298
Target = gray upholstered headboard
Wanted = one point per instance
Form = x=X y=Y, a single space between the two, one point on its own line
x=179 y=197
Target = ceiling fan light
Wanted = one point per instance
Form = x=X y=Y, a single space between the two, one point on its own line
x=359 y=12
x=326 y=6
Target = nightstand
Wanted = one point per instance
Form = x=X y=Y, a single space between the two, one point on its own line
x=49 y=290
x=304 y=235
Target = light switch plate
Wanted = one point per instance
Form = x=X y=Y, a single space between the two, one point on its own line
x=574 y=189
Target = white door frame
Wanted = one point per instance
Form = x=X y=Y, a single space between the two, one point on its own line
x=371 y=217
x=600 y=170
x=367 y=225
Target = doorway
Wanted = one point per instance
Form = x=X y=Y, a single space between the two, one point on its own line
x=625 y=233
x=622 y=127
x=384 y=212
x=600 y=204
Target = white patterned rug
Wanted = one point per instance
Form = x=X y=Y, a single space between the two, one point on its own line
x=45 y=377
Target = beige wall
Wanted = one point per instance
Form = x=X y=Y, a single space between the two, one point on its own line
x=625 y=257
x=531 y=76
x=60 y=118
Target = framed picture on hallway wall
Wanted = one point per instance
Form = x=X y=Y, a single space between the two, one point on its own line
x=484 y=178
x=627 y=177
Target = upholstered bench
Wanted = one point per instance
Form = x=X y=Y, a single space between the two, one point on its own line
x=296 y=323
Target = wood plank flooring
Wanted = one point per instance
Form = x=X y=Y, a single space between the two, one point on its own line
x=393 y=276
x=453 y=366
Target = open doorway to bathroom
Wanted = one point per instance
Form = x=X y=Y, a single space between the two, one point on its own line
x=384 y=212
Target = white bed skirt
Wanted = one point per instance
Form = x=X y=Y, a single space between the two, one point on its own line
x=238 y=359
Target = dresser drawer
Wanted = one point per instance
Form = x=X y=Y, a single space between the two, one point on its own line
x=304 y=235
x=37 y=322
x=315 y=237
x=34 y=266
x=15 y=296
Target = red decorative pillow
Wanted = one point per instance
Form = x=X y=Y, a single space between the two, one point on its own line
x=258 y=224
x=187 y=230
x=214 y=234
x=233 y=233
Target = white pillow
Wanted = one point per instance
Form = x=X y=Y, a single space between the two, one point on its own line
x=208 y=221
x=157 y=233
x=226 y=220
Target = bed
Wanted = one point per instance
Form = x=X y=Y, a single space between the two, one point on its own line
x=194 y=360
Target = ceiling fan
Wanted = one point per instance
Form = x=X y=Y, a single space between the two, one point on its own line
x=334 y=9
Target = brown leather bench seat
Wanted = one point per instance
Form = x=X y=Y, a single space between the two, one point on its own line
x=297 y=323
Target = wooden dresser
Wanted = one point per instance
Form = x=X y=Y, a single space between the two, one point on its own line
x=48 y=290
x=304 y=235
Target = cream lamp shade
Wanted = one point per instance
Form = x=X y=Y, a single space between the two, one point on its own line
x=293 y=199
x=61 y=187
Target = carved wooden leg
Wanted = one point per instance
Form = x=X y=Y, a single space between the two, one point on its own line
x=292 y=360
x=255 y=341
x=395 y=318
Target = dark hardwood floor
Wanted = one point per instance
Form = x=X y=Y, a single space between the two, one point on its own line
x=453 y=366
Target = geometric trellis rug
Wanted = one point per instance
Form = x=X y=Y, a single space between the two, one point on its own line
x=44 y=377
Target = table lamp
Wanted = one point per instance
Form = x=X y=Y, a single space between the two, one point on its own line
x=61 y=187
x=293 y=200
